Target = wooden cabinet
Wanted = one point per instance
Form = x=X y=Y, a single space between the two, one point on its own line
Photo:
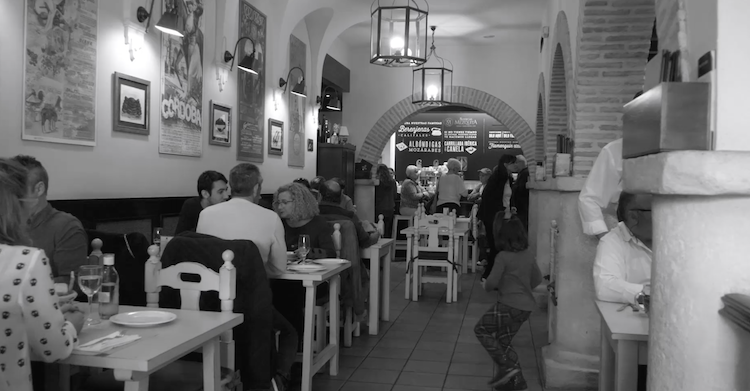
x=337 y=160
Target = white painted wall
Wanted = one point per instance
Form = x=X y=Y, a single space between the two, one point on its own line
x=508 y=71
x=124 y=165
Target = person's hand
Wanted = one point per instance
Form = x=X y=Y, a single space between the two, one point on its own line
x=73 y=315
x=513 y=210
x=507 y=215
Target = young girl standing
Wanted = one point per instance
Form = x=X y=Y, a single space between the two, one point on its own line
x=514 y=275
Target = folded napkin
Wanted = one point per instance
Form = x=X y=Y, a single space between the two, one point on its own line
x=103 y=344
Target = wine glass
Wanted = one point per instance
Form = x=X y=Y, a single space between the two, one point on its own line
x=90 y=280
x=303 y=246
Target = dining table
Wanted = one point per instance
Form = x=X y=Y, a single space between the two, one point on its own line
x=624 y=346
x=157 y=347
x=380 y=255
x=311 y=361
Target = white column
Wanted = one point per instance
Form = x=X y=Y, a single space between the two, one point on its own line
x=701 y=216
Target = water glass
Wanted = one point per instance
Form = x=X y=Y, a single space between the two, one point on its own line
x=303 y=246
x=90 y=281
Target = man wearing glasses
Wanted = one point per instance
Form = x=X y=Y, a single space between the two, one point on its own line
x=622 y=267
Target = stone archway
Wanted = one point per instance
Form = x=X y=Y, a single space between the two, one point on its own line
x=378 y=136
x=539 y=129
x=558 y=109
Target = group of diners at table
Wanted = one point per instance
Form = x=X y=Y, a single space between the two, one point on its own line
x=40 y=245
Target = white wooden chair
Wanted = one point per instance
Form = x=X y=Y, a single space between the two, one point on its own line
x=224 y=282
x=428 y=251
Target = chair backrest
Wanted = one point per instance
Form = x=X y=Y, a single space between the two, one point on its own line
x=224 y=282
x=433 y=226
x=337 y=239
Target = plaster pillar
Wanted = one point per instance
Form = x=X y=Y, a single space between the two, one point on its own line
x=571 y=360
x=364 y=199
x=701 y=214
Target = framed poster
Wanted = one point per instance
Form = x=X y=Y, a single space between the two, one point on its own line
x=251 y=88
x=275 y=137
x=220 y=125
x=182 y=81
x=130 y=104
x=60 y=71
x=310 y=145
x=296 y=139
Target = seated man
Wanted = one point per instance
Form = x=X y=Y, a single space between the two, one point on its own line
x=330 y=205
x=212 y=189
x=623 y=258
x=242 y=219
x=59 y=234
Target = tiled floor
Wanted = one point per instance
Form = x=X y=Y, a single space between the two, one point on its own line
x=430 y=345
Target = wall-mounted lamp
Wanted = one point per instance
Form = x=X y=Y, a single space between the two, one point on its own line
x=299 y=88
x=332 y=101
x=247 y=63
x=169 y=22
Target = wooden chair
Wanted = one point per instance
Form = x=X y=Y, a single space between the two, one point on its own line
x=351 y=325
x=428 y=251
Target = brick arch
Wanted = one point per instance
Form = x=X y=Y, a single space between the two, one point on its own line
x=539 y=131
x=378 y=136
x=560 y=98
x=614 y=38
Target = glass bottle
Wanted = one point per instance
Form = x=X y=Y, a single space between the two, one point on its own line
x=109 y=294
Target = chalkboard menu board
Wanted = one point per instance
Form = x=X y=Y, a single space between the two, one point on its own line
x=475 y=139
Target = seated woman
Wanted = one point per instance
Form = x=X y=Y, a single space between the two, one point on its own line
x=31 y=317
x=411 y=192
x=298 y=210
x=451 y=188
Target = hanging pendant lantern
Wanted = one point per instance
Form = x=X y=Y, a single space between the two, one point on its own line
x=433 y=82
x=398 y=33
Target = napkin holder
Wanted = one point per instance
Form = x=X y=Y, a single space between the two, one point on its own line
x=668 y=117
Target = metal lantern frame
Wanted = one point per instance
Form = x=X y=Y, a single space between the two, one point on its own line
x=407 y=22
x=426 y=76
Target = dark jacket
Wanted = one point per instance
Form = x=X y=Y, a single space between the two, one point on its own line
x=335 y=212
x=492 y=197
x=254 y=337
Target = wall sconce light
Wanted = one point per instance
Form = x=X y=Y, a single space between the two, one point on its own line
x=167 y=24
x=332 y=101
x=247 y=62
x=299 y=88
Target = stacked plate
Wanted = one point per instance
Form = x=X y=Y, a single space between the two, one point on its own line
x=737 y=309
x=317 y=265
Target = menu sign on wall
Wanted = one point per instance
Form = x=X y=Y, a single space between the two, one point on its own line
x=475 y=139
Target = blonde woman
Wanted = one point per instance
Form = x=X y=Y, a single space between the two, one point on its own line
x=32 y=318
x=451 y=188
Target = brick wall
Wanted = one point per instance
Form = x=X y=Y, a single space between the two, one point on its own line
x=539 y=128
x=378 y=136
x=558 y=109
x=613 y=42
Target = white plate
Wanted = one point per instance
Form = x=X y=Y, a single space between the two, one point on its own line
x=330 y=261
x=143 y=318
x=306 y=268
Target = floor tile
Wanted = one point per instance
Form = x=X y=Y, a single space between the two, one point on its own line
x=367 y=375
x=356 y=386
x=467 y=382
x=390 y=353
x=427 y=367
x=431 y=355
x=470 y=348
x=344 y=374
x=408 y=327
x=438 y=337
x=392 y=364
x=327 y=384
x=421 y=379
x=470 y=369
x=403 y=334
x=355 y=351
x=402 y=343
x=350 y=361
x=432 y=345
x=399 y=387
x=471 y=358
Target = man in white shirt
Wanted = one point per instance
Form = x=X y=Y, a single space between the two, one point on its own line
x=242 y=219
x=622 y=267
x=602 y=188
